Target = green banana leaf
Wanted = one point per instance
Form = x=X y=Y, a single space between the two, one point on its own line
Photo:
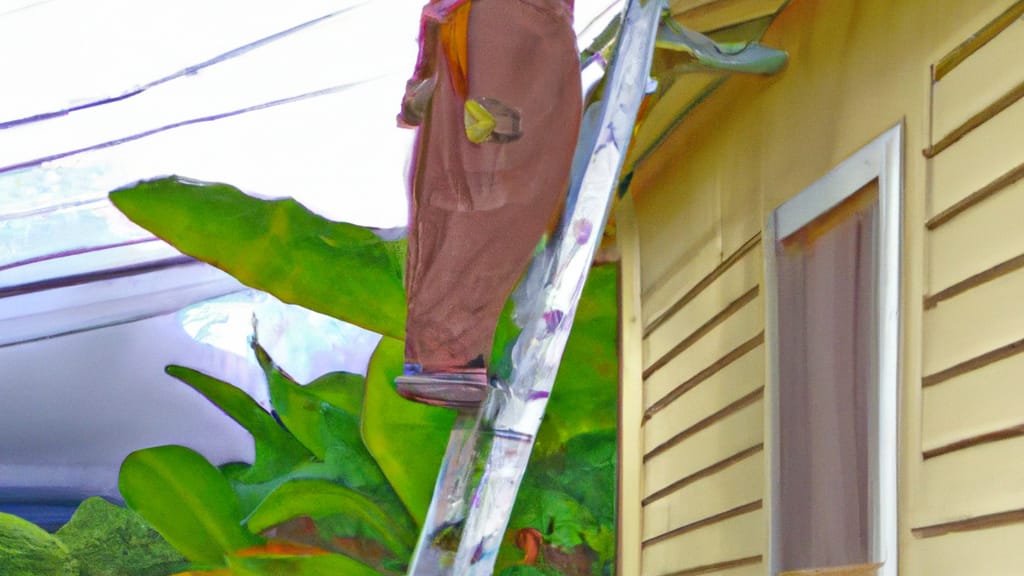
x=302 y=412
x=277 y=451
x=281 y=565
x=278 y=246
x=341 y=389
x=318 y=499
x=332 y=435
x=250 y=495
x=748 y=57
x=346 y=271
x=586 y=391
x=406 y=439
x=187 y=500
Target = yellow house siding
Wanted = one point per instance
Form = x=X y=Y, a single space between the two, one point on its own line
x=972 y=404
x=732 y=384
x=980 y=481
x=731 y=540
x=700 y=306
x=974 y=322
x=971 y=86
x=703 y=377
x=990 y=231
x=631 y=409
x=701 y=197
x=703 y=449
x=976 y=160
x=994 y=552
x=679 y=244
x=970 y=498
x=685 y=368
x=704 y=497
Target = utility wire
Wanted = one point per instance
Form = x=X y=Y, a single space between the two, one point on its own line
x=78 y=203
x=24 y=7
x=137 y=136
x=72 y=252
x=190 y=70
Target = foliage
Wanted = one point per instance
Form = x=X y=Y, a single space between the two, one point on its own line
x=313 y=482
x=187 y=500
x=347 y=467
x=328 y=503
x=277 y=451
x=297 y=565
x=28 y=550
x=100 y=539
x=109 y=540
x=407 y=439
x=279 y=246
x=528 y=570
x=586 y=391
x=568 y=498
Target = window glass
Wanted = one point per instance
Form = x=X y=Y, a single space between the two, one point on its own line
x=827 y=310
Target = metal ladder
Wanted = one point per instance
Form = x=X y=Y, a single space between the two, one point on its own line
x=488 y=449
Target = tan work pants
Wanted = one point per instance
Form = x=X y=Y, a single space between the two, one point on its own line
x=478 y=210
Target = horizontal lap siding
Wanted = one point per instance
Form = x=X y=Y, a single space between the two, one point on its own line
x=972 y=86
x=680 y=243
x=730 y=384
x=745 y=324
x=687 y=344
x=975 y=322
x=978 y=481
x=705 y=497
x=991 y=232
x=703 y=430
x=980 y=158
x=729 y=436
x=992 y=552
x=978 y=402
x=733 y=283
x=677 y=281
x=968 y=506
x=733 y=539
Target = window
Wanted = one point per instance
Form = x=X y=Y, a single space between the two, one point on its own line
x=832 y=274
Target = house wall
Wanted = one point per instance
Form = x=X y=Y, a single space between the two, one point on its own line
x=693 y=484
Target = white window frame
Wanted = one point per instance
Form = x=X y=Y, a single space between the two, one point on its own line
x=881 y=160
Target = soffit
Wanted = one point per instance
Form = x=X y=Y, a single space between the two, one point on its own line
x=682 y=83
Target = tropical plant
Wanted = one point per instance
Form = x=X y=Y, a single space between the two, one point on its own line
x=344 y=468
x=313 y=483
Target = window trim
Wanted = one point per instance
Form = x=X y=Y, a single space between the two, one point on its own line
x=882 y=159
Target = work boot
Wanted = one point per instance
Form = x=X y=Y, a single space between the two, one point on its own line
x=462 y=389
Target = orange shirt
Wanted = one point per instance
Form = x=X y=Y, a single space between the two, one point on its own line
x=452 y=19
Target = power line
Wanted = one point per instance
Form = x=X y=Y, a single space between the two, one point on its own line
x=187 y=71
x=219 y=116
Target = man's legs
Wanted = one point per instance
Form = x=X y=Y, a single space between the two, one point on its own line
x=478 y=210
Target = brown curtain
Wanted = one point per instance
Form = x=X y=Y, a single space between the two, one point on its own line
x=827 y=303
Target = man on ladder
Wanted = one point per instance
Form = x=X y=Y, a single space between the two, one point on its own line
x=496 y=94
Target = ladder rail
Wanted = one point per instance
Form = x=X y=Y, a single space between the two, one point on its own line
x=488 y=451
